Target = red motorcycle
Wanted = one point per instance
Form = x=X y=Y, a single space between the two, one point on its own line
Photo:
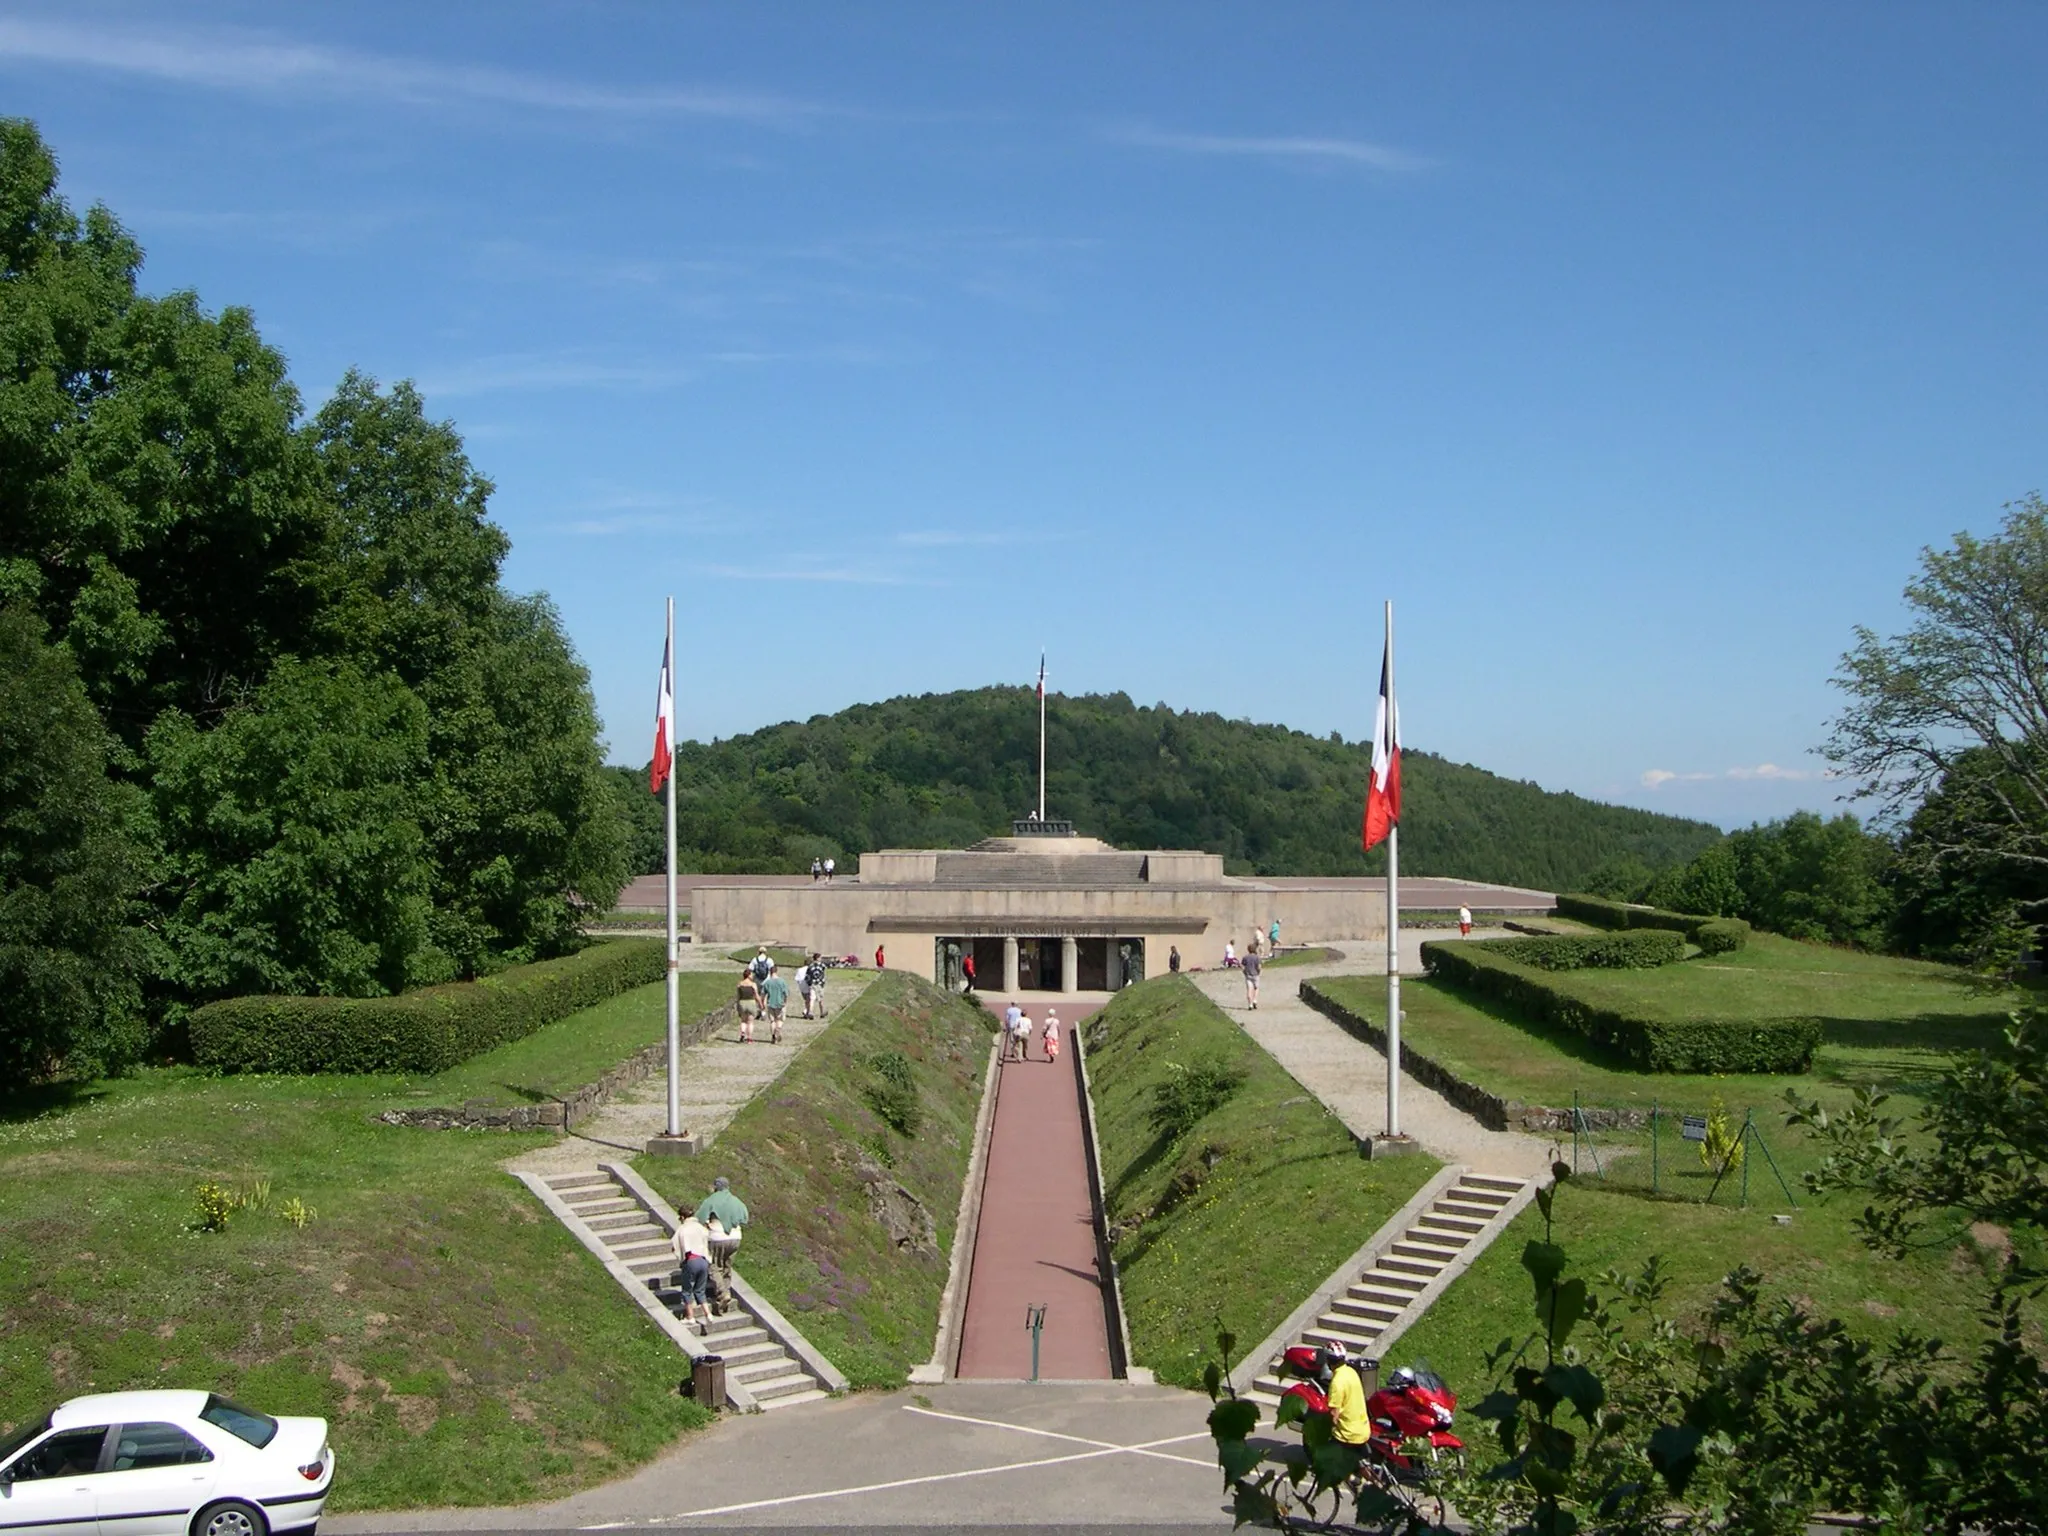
x=1411 y=1415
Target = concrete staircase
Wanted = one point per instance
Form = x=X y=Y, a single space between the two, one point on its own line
x=1411 y=1267
x=768 y=1365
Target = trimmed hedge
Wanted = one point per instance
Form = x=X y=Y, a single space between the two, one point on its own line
x=1729 y=933
x=1638 y=950
x=416 y=1032
x=1649 y=1044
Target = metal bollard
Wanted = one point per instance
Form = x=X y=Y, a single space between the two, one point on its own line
x=1034 y=1321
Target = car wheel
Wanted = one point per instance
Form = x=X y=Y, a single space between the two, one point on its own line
x=230 y=1517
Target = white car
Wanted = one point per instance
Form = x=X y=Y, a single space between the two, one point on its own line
x=163 y=1464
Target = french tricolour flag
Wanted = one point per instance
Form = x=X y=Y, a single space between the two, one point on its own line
x=1383 y=792
x=664 y=727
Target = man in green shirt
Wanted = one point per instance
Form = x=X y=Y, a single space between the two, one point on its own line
x=774 y=998
x=725 y=1213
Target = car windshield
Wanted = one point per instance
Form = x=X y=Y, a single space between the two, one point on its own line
x=243 y=1423
x=9 y=1444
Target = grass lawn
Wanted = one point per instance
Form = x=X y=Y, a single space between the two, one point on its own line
x=1888 y=1022
x=825 y=1176
x=786 y=959
x=1313 y=955
x=462 y=1346
x=572 y=1051
x=1243 y=1217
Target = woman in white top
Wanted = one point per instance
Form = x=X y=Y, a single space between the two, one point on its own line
x=693 y=1256
x=1229 y=954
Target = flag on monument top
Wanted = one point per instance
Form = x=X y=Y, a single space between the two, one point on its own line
x=1383 y=791
x=664 y=728
x=1041 y=677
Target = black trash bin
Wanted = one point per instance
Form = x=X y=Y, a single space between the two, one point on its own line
x=707 y=1380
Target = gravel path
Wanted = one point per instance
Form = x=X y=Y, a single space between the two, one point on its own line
x=719 y=1076
x=1351 y=1077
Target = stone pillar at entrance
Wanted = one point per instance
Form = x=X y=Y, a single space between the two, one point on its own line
x=1009 y=965
x=1070 y=966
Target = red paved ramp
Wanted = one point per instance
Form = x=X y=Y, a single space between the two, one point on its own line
x=1036 y=1241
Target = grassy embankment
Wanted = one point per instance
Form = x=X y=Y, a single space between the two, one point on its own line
x=1890 y=1023
x=789 y=961
x=1239 y=1219
x=463 y=1347
x=1315 y=954
x=826 y=1159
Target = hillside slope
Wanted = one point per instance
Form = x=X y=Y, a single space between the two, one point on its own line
x=942 y=770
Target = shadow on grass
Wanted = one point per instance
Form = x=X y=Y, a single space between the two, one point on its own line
x=1155 y=1227
x=29 y=1103
x=1142 y=1164
x=530 y=1095
x=1926 y=1031
x=1564 y=1041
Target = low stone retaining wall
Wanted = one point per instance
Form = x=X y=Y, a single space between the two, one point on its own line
x=573 y=1107
x=1489 y=1109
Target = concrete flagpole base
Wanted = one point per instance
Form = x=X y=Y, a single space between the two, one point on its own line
x=684 y=1145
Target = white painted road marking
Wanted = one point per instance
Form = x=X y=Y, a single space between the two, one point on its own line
x=1053 y=1434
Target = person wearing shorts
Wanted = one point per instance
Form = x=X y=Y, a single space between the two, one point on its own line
x=1251 y=965
x=814 y=986
x=693 y=1254
x=1464 y=922
x=747 y=1004
x=774 y=998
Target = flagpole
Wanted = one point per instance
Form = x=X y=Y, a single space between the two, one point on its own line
x=675 y=1100
x=1041 y=736
x=1393 y=913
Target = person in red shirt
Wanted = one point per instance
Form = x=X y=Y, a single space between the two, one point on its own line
x=967 y=970
x=878 y=957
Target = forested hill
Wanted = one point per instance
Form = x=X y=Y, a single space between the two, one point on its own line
x=942 y=770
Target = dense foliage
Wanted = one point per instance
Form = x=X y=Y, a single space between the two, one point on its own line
x=1714 y=935
x=1630 y=950
x=363 y=763
x=943 y=770
x=428 y=1030
x=1650 y=1042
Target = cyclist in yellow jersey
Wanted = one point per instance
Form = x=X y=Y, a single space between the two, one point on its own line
x=1349 y=1421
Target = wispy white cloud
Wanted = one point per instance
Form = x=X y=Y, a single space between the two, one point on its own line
x=1655 y=778
x=952 y=538
x=489 y=375
x=221 y=61
x=835 y=575
x=1299 y=149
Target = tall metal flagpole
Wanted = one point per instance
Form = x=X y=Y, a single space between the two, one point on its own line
x=1393 y=911
x=675 y=1099
x=1041 y=736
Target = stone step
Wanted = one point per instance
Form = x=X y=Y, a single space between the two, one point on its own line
x=1443 y=1243
x=1424 y=1268
x=793 y=1399
x=1463 y=1226
x=603 y=1205
x=1493 y=1181
x=633 y=1218
x=1370 y=1314
x=766 y=1388
x=620 y=1237
x=746 y=1354
x=1392 y=1280
x=757 y=1365
x=1427 y=1253
x=652 y=1269
x=642 y=1248
x=567 y=1181
x=1479 y=1213
x=1494 y=1199
x=1354 y=1337
x=1380 y=1296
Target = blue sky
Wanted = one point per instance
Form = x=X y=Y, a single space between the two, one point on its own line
x=1633 y=351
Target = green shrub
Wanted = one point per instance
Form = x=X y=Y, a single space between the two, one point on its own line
x=1721 y=935
x=1649 y=1044
x=893 y=1092
x=1187 y=1094
x=419 y=1032
x=1635 y=950
x=1730 y=933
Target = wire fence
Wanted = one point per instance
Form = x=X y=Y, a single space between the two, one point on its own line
x=1705 y=1155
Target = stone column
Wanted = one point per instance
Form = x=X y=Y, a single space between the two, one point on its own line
x=1070 y=965
x=1009 y=965
x=1116 y=965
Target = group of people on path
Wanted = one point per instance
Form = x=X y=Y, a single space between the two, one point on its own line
x=1018 y=1029
x=823 y=869
x=705 y=1241
x=762 y=991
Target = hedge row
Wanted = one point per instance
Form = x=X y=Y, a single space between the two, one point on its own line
x=425 y=1031
x=1649 y=1044
x=1640 y=949
x=1714 y=935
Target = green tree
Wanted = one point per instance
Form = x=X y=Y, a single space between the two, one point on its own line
x=293 y=852
x=1815 y=879
x=1957 y=901
x=71 y=951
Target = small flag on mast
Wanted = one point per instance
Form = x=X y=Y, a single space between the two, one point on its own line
x=1383 y=792
x=664 y=728
x=1041 y=677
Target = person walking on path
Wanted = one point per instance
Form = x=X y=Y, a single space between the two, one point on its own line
x=1464 y=922
x=724 y=1214
x=1229 y=954
x=1020 y=1036
x=1011 y=1015
x=693 y=1261
x=774 y=998
x=747 y=1004
x=1173 y=958
x=881 y=964
x=1251 y=966
x=1052 y=1035
x=830 y=865
x=761 y=965
x=814 y=979
x=817 y=869
x=967 y=972
x=1273 y=937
